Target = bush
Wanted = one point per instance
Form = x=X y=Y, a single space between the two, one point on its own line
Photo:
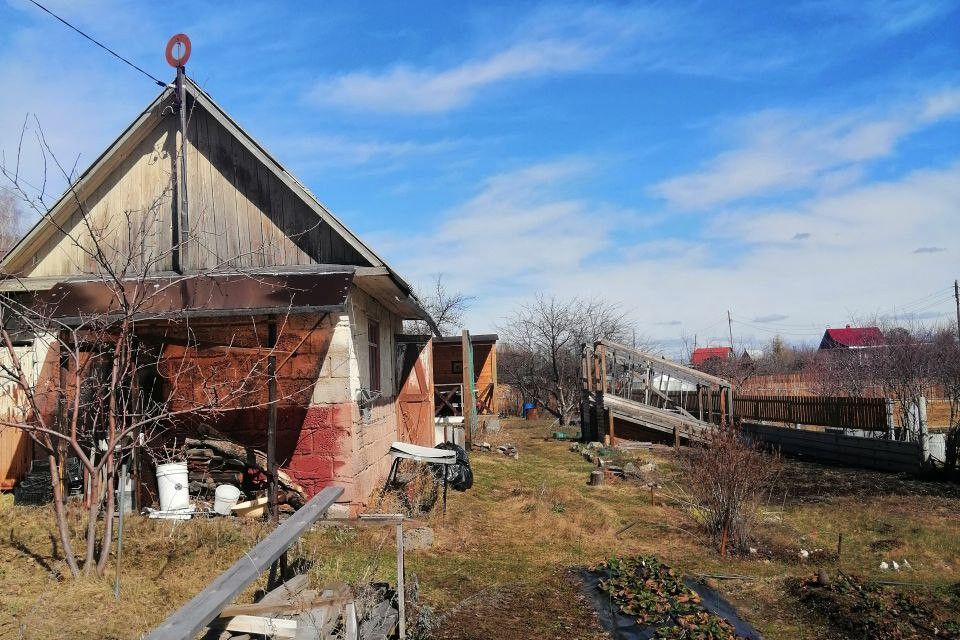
x=726 y=479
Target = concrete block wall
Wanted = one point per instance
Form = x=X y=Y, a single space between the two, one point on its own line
x=323 y=436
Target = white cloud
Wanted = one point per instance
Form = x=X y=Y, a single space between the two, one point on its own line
x=523 y=233
x=323 y=150
x=784 y=151
x=406 y=89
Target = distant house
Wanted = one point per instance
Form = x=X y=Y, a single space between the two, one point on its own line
x=851 y=338
x=701 y=355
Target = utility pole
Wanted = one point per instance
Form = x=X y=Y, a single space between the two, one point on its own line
x=956 y=296
x=730 y=329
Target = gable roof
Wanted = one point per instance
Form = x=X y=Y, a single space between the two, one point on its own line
x=701 y=355
x=14 y=262
x=851 y=338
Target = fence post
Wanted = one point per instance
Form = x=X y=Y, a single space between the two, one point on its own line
x=888 y=402
x=922 y=430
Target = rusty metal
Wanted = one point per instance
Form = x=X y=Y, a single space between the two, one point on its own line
x=197 y=296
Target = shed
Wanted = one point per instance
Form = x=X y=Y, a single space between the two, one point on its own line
x=448 y=374
x=257 y=254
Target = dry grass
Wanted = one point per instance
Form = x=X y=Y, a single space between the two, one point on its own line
x=504 y=546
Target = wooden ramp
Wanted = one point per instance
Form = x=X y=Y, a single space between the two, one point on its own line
x=624 y=383
x=662 y=420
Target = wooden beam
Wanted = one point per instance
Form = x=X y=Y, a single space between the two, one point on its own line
x=295 y=605
x=678 y=370
x=196 y=614
x=273 y=627
x=467 y=395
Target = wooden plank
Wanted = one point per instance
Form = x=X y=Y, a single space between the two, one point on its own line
x=295 y=605
x=273 y=627
x=292 y=588
x=189 y=619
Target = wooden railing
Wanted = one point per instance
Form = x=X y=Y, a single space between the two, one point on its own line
x=192 y=617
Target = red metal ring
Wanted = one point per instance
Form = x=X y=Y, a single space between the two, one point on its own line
x=180 y=38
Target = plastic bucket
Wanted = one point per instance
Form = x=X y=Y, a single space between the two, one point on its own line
x=224 y=498
x=172 y=483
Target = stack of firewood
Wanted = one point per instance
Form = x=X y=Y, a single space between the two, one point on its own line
x=213 y=459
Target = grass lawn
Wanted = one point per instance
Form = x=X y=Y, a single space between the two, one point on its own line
x=498 y=568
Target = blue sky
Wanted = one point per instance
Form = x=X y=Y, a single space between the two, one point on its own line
x=796 y=163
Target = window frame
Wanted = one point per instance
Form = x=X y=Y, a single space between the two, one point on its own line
x=374 y=353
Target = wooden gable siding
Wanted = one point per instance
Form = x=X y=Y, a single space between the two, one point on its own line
x=242 y=214
x=140 y=185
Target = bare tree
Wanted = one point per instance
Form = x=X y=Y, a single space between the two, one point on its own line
x=946 y=373
x=11 y=217
x=446 y=307
x=540 y=352
x=113 y=373
x=904 y=366
x=844 y=372
x=726 y=480
x=736 y=370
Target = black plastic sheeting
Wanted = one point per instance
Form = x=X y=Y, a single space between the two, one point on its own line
x=624 y=627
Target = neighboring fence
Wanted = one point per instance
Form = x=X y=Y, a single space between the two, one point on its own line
x=834 y=448
x=867 y=414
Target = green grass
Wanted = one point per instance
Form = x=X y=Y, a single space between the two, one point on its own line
x=504 y=547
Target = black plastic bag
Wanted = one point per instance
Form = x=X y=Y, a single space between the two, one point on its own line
x=459 y=475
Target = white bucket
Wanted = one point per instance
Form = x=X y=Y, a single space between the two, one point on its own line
x=172 y=483
x=224 y=498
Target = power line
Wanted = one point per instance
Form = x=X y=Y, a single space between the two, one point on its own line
x=102 y=46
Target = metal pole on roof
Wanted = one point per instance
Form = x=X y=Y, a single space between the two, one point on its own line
x=181 y=221
x=184 y=207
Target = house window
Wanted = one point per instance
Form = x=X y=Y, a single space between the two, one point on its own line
x=373 y=354
x=456 y=366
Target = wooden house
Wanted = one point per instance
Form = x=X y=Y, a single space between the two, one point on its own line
x=448 y=375
x=255 y=256
x=852 y=338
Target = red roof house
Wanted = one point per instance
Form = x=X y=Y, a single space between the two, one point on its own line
x=852 y=338
x=701 y=355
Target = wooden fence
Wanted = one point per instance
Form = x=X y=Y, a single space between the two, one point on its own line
x=868 y=414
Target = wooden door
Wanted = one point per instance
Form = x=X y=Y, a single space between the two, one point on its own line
x=415 y=395
x=16 y=449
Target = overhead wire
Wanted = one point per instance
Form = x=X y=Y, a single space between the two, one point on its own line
x=101 y=45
